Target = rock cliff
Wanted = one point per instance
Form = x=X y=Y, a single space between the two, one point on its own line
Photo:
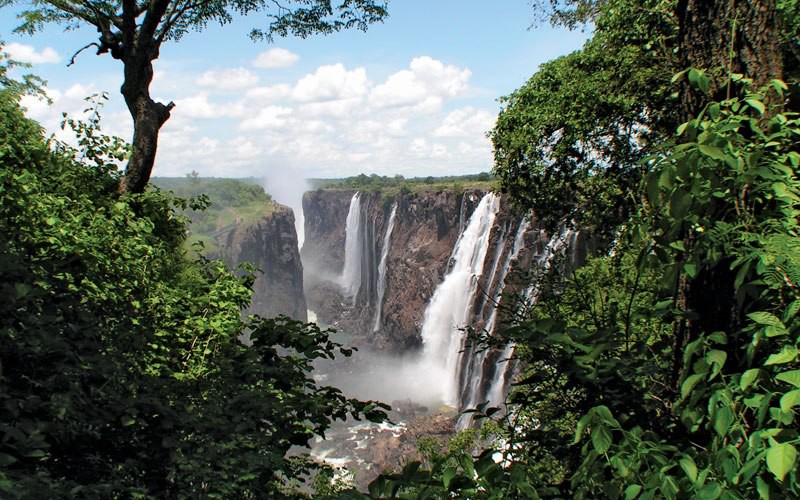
x=426 y=227
x=270 y=244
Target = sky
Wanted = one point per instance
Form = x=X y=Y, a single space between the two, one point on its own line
x=413 y=96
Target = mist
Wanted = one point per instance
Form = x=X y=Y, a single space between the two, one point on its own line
x=384 y=377
x=286 y=185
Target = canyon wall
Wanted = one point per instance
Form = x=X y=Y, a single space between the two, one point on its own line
x=270 y=244
x=426 y=272
x=425 y=229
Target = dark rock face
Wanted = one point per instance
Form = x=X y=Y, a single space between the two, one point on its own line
x=427 y=225
x=270 y=244
x=325 y=213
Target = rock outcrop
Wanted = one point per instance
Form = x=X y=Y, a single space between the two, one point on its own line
x=425 y=230
x=270 y=244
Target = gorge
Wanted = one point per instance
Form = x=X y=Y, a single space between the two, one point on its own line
x=416 y=277
x=414 y=280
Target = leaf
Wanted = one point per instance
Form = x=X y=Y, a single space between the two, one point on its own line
x=632 y=491
x=781 y=459
x=765 y=318
x=792 y=377
x=790 y=400
x=689 y=467
x=711 y=151
x=722 y=420
x=787 y=354
x=447 y=477
x=6 y=459
x=689 y=384
x=691 y=270
x=757 y=105
x=601 y=439
x=748 y=378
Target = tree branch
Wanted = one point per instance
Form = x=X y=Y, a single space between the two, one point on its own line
x=72 y=59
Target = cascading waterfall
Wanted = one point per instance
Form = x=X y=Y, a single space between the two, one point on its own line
x=474 y=383
x=351 y=274
x=449 y=308
x=387 y=239
x=541 y=264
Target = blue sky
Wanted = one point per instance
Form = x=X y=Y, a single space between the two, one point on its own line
x=412 y=96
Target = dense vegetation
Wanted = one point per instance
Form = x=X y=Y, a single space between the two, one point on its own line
x=667 y=366
x=121 y=370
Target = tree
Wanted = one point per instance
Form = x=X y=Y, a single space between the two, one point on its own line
x=133 y=31
x=568 y=143
x=123 y=375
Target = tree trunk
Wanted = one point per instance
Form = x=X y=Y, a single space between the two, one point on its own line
x=723 y=37
x=148 y=117
x=720 y=37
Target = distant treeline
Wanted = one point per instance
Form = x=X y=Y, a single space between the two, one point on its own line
x=226 y=192
x=374 y=181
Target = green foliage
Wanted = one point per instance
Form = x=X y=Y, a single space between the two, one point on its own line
x=223 y=203
x=375 y=182
x=613 y=402
x=121 y=369
x=568 y=143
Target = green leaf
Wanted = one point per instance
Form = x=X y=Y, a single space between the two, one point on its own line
x=723 y=418
x=6 y=459
x=748 y=378
x=781 y=459
x=447 y=477
x=711 y=151
x=787 y=354
x=765 y=318
x=632 y=491
x=757 y=105
x=601 y=439
x=790 y=400
x=689 y=384
x=691 y=270
x=792 y=377
x=689 y=467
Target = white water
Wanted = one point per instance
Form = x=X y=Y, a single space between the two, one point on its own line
x=449 y=308
x=350 y=280
x=557 y=245
x=387 y=239
x=474 y=385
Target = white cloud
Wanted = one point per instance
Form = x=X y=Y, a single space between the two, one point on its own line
x=465 y=122
x=228 y=79
x=427 y=82
x=28 y=54
x=269 y=117
x=275 y=58
x=332 y=82
x=198 y=106
x=271 y=93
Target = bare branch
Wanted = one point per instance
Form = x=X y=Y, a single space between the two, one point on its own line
x=72 y=59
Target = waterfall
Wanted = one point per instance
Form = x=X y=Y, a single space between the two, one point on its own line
x=475 y=389
x=382 y=268
x=351 y=274
x=449 y=308
x=542 y=262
